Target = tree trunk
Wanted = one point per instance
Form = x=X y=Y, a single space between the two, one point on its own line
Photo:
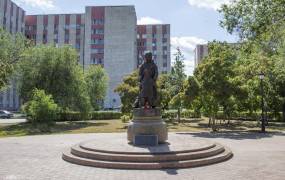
x=210 y=122
x=283 y=111
x=178 y=115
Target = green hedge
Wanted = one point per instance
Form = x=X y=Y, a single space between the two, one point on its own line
x=171 y=114
x=250 y=116
x=96 y=115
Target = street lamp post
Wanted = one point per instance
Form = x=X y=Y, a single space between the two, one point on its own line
x=261 y=77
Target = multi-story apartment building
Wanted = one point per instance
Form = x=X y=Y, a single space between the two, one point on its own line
x=106 y=36
x=12 y=20
x=155 y=38
x=200 y=51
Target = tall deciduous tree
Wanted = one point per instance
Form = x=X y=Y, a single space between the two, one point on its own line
x=176 y=82
x=11 y=48
x=57 y=72
x=214 y=76
x=97 y=83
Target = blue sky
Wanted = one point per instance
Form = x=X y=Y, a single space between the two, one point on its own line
x=192 y=21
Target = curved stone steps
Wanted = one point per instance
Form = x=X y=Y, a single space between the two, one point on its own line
x=226 y=154
x=171 y=156
x=154 y=150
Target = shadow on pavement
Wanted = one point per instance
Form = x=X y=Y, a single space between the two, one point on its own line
x=236 y=135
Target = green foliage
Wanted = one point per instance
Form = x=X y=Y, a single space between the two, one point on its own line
x=125 y=118
x=95 y=115
x=97 y=83
x=128 y=91
x=172 y=114
x=11 y=49
x=215 y=75
x=56 y=71
x=251 y=18
x=176 y=82
x=163 y=91
x=41 y=108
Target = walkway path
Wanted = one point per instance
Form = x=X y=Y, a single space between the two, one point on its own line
x=256 y=156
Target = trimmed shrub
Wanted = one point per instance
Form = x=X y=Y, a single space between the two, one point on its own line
x=41 y=108
x=95 y=115
x=171 y=114
x=125 y=118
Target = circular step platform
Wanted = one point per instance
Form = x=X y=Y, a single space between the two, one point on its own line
x=181 y=151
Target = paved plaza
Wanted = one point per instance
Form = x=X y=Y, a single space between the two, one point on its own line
x=256 y=156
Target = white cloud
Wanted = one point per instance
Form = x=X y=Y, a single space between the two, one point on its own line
x=148 y=20
x=187 y=45
x=210 y=4
x=43 y=4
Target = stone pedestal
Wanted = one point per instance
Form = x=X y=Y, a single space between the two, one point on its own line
x=147 y=122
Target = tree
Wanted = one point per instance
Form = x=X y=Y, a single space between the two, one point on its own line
x=260 y=24
x=251 y=18
x=128 y=91
x=176 y=82
x=41 y=108
x=11 y=49
x=57 y=72
x=97 y=83
x=214 y=75
x=191 y=94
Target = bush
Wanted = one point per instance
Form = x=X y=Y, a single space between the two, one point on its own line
x=41 y=108
x=125 y=118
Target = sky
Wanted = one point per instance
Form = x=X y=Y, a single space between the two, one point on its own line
x=192 y=21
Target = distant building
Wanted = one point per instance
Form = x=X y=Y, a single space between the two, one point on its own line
x=103 y=35
x=201 y=51
x=155 y=38
x=12 y=20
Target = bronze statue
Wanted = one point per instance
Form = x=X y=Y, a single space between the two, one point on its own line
x=148 y=74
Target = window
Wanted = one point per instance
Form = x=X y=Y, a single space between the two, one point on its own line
x=138 y=36
x=97 y=50
x=77 y=45
x=97 y=21
x=98 y=31
x=154 y=52
x=45 y=27
x=144 y=36
x=164 y=35
x=154 y=36
x=96 y=61
x=165 y=52
x=97 y=41
x=55 y=27
x=165 y=64
x=154 y=44
x=78 y=26
x=66 y=37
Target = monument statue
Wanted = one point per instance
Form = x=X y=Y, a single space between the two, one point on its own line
x=147 y=126
x=148 y=74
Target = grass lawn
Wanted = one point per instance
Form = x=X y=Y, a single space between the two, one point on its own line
x=109 y=126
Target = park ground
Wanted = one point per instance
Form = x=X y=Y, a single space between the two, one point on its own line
x=29 y=154
x=18 y=127
x=256 y=157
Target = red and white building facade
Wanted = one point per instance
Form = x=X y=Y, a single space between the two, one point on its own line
x=104 y=35
x=156 y=39
x=12 y=20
